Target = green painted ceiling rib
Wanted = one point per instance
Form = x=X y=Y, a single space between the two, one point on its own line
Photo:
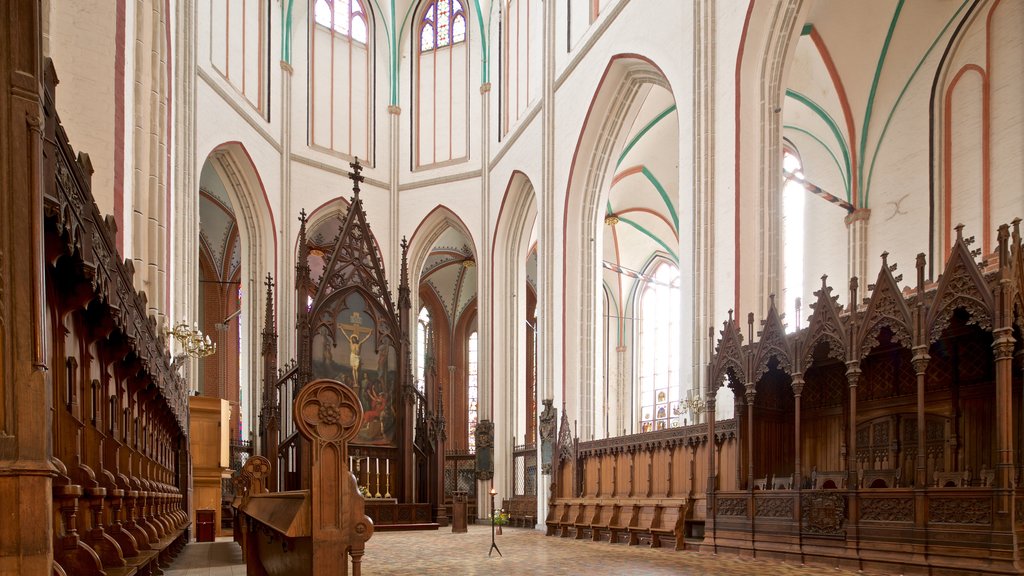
x=871 y=95
x=650 y=235
x=817 y=109
x=664 y=196
x=806 y=30
x=286 y=32
x=485 y=69
x=866 y=185
x=643 y=131
x=839 y=167
x=392 y=47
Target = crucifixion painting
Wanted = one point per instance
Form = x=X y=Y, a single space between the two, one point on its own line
x=351 y=331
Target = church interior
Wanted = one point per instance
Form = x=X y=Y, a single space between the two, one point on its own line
x=319 y=280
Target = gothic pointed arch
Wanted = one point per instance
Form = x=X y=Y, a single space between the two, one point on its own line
x=729 y=358
x=886 y=309
x=825 y=326
x=772 y=344
x=960 y=286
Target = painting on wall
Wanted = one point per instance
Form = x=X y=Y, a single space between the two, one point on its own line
x=352 y=346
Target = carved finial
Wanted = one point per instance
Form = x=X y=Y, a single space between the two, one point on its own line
x=750 y=326
x=730 y=314
x=885 y=259
x=302 y=216
x=920 y=263
x=356 y=175
x=854 y=284
x=1016 y=230
x=824 y=281
x=797 y=309
x=1003 y=237
x=959 y=232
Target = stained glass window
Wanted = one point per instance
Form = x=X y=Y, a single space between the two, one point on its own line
x=422 y=326
x=659 y=350
x=443 y=24
x=345 y=17
x=793 y=193
x=472 y=389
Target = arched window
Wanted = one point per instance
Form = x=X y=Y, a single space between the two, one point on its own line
x=472 y=397
x=793 y=193
x=521 y=52
x=659 y=349
x=422 y=330
x=442 y=84
x=340 y=78
x=238 y=46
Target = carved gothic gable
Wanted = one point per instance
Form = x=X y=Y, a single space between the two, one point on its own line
x=728 y=355
x=565 y=446
x=887 y=308
x=355 y=261
x=960 y=286
x=825 y=325
x=773 y=344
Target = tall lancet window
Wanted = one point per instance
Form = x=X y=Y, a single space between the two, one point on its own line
x=422 y=331
x=472 y=389
x=442 y=84
x=659 y=348
x=793 y=193
x=340 y=78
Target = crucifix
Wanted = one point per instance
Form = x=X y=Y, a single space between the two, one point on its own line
x=352 y=332
x=355 y=175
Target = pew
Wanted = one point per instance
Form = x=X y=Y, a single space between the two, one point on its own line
x=568 y=519
x=647 y=515
x=618 y=527
x=670 y=526
x=605 y=515
x=312 y=531
x=556 y=511
x=581 y=526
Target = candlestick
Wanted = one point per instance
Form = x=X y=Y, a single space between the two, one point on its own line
x=377 y=494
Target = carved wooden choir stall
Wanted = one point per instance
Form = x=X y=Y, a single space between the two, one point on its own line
x=120 y=452
x=885 y=435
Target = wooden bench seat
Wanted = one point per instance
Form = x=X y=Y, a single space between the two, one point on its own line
x=670 y=526
x=647 y=515
x=572 y=512
x=599 y=527
x=622 y=519
x=556 y=511
x=581 y=526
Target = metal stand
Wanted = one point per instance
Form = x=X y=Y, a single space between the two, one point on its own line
x=494 y=546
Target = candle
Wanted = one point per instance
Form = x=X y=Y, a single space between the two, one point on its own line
x=377 y=460
x=387 y=467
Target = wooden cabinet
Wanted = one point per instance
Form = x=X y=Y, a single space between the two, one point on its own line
x=206 y=525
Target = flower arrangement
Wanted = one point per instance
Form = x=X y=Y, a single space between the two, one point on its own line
x=499 y=517
x=364 y=491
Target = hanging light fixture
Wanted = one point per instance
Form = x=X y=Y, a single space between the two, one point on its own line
x=192 y=340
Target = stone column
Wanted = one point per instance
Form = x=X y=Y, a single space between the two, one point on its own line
x=857 y=231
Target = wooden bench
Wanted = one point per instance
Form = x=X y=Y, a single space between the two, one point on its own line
x=835 y=480
x=568 y=519
x=647 y=515
x=602 y=519
x=782 y=482
x=622 y=519
x=952 y=479
x=556 y=511
x=581 y=526
x=670 y=526
x=312 y=531
x=884 y=478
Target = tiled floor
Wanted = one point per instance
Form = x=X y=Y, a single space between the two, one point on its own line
x=442 y=553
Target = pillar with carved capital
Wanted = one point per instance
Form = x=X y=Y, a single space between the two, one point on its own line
x=798 y=388
x=853 y=378
x=750 y=436
x=920 y=363
x=1002 y=346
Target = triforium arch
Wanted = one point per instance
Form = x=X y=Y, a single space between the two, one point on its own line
x=603 y=142
x=514 y=234
x=765 y=52
x=257 y=246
